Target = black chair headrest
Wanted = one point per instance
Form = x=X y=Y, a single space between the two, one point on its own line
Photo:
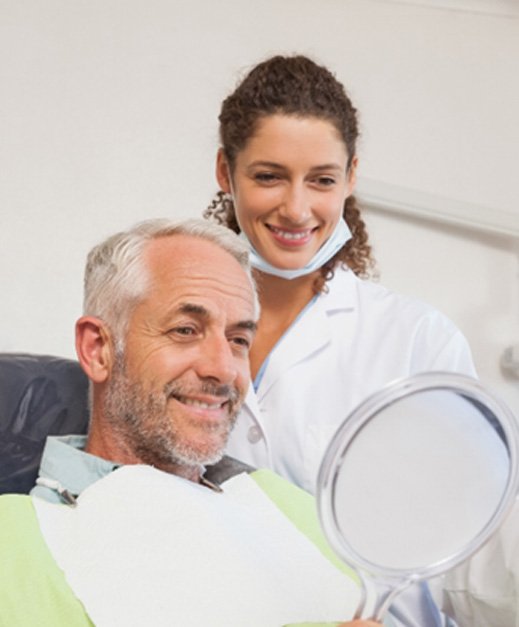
x=40 y=395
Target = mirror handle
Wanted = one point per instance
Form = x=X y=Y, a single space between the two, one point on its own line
x=384 y=601
x=363 y=594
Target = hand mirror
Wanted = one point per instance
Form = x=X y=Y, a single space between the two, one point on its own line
x=416 y=479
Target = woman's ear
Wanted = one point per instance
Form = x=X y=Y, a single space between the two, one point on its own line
x=352 y=175
x=94 y=348
x=223 y=174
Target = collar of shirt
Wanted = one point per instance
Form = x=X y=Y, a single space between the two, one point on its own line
x=65 y=461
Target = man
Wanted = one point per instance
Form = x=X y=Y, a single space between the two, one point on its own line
x=136 y=533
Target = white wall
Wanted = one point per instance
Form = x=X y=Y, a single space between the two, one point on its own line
x=108 y=115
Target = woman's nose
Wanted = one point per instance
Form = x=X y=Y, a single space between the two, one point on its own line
x=296 y=205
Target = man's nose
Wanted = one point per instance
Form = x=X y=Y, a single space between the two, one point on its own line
x=217 y=361
x=296 y=204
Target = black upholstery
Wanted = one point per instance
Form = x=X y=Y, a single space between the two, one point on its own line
x=40 y=395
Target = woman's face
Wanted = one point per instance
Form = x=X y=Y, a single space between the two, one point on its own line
x=289 y=185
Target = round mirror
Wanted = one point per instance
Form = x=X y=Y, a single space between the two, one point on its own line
x=417 y=478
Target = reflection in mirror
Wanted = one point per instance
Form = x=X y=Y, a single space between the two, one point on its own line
x=417 y=478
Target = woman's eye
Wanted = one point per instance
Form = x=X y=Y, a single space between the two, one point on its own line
x=265 y=177
x=325 y=181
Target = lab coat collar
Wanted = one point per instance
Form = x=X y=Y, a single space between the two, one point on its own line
x=342 y=290
x=311 y=332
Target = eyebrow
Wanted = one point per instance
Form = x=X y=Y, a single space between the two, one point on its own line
x=248 y=325
x=202 y=312
x=265 y=164
x=327 y=166
x=278 y=166
x=197 y=310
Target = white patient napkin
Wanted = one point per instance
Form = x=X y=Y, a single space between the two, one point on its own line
x=144 y=547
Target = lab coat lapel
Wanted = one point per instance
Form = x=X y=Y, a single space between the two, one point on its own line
x=311 y=332
x=251 y=403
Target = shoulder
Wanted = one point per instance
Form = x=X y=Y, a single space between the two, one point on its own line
x=20 y=529
x=396 y=324
x=13 y=507
x=373 y=298
x=27 y=565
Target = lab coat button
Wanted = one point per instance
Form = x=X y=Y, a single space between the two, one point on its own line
x=254 y=435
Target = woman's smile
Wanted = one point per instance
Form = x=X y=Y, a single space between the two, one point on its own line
x=291 y=237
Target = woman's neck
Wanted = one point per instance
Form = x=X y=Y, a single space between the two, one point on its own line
x=281 y=302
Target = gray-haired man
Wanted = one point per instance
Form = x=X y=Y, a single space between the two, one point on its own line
x=169 y=316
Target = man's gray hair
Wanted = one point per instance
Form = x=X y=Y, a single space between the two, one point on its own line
x=116 y=278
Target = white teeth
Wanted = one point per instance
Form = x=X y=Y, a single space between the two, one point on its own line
x=291 y=234
x=200 y=404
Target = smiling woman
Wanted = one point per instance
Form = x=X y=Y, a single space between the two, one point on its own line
x=327 y=337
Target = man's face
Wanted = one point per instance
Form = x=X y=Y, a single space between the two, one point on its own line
x=174 y=394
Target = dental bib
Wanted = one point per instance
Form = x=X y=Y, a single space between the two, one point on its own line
x=146 y=547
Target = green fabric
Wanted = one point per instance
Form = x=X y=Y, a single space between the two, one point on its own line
x=300 y=508
x=33 y=590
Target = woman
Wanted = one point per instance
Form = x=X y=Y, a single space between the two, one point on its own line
x=327 y=338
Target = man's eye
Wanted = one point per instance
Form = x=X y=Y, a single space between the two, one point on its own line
x=183 y=331
x=242 y=342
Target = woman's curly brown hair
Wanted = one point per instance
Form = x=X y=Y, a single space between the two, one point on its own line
x=293 y=86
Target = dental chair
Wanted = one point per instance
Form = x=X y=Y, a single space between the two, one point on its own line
x=42 y=395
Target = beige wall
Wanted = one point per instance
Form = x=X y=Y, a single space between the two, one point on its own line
x=108 y=115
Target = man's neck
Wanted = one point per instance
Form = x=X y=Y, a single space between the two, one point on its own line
x=105 y=445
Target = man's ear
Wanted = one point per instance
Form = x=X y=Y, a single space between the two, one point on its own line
x=223 y=174
x=94 y=348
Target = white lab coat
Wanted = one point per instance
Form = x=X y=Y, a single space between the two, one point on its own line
x=349 y=343
x=483 y=591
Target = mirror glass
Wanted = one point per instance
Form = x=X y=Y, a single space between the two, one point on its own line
x=418 y=477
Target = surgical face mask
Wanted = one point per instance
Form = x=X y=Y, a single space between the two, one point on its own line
x=341 y=234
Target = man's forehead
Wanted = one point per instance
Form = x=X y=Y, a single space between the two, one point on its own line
x=186 y=251
x=191 y=286
x=191 y=269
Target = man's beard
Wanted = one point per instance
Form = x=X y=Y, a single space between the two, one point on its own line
x=152 y=431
